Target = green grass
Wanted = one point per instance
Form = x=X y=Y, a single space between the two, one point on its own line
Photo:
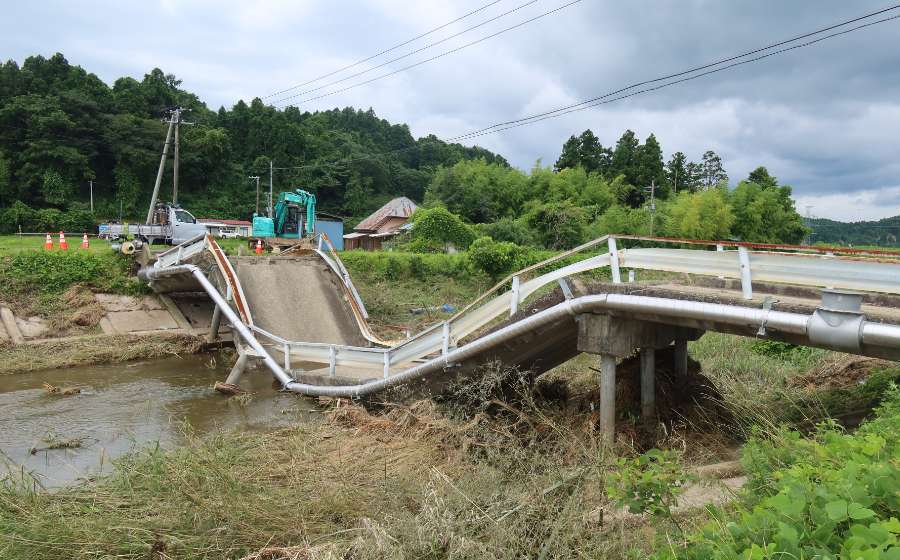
x=11 y=244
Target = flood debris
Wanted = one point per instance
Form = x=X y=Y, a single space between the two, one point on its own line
x=228 y=388
x=61 y=391
x=52 y=442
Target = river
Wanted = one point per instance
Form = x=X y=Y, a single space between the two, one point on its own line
x=124 y=407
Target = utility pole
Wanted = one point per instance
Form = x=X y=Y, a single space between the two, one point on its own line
x=178 y=112
x=162 y=166
x=676 y=181
x=175 y=163
x=257 y=192
x=271 y=169
x=652 y=189
x=91 y=183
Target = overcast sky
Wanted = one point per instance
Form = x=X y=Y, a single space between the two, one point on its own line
x=824 y=119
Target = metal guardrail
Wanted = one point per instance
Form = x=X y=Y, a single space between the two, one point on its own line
x=819 y=268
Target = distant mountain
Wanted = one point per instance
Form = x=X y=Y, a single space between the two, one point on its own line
x=883 y=233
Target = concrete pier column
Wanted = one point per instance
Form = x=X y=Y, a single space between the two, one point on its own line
x=239 y=366
x=214 y=325
x=681 y=356
x=607 y=398
x=648 y=384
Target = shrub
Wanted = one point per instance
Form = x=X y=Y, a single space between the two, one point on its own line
x=495 y=258
x=437 y=227
x=508 y=229
x=46 y=219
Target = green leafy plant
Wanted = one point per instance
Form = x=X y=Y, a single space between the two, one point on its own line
x=835 y=495
x=495 y=258
x=649 y=483
x=780 y=350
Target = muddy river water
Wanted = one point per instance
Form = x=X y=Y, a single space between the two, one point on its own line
x=125 y=407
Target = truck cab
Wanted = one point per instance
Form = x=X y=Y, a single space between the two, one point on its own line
x=169 y=223
x=184 y=225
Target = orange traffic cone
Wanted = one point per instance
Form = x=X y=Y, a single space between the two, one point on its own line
x=63 y=244
x=84 y=242
x=259 y=248
x=48 y=243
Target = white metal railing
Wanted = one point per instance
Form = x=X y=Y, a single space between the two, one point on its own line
x=822 y=269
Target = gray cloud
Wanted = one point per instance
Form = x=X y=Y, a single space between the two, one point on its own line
x=823 y=119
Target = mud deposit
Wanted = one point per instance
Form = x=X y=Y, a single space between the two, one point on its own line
x=125 y=407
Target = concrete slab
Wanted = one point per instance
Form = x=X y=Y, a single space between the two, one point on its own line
x=131 y=321
x=113 y=302
x=32 y=327
x=297 y=298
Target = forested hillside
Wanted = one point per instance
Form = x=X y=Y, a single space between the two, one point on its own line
x=882 y=232
x=61 y=126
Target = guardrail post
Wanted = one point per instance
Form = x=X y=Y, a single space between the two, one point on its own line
x=445 y=347
x=614 y=261
x=630 y=275
x=287 y=357
x=387 y=363
x=332 y=361
x=514 y=296
x=746 y=280
x=719 y=249
x=566 y=290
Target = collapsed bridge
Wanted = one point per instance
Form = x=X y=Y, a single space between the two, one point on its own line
x=300 y=314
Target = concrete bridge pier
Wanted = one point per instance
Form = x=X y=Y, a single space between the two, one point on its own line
x=615 y=338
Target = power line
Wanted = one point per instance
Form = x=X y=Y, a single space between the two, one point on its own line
x=604 y=99
x=385 y=51
x=497 y=127
x=407 y=55
x=433 y=58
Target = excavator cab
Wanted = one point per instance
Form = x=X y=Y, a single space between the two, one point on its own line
x=294 y=217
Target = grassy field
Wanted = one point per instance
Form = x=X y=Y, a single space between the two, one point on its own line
x=10 y=244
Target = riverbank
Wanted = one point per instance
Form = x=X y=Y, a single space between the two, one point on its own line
x=505 y=479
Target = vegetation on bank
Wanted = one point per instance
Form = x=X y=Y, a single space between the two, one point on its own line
x=832 y=495
x=496 y=470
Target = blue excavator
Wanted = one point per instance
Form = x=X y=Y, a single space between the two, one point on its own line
x=294 y=218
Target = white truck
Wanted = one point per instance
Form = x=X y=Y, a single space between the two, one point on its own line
x=171 y=224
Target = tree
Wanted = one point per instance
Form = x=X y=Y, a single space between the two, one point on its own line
x=682 y=175
x=55 y=189
x=648 y=160
x=766 y=214
x=623 y=156
x=479 y=191
x=712 y=171
x=7 y=196
x=761 y=177
x=584 y=151
x=701 y=215
x=624 y=220
x=558 y=225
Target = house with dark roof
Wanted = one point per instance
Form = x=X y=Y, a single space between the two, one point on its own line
x=381 y=225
